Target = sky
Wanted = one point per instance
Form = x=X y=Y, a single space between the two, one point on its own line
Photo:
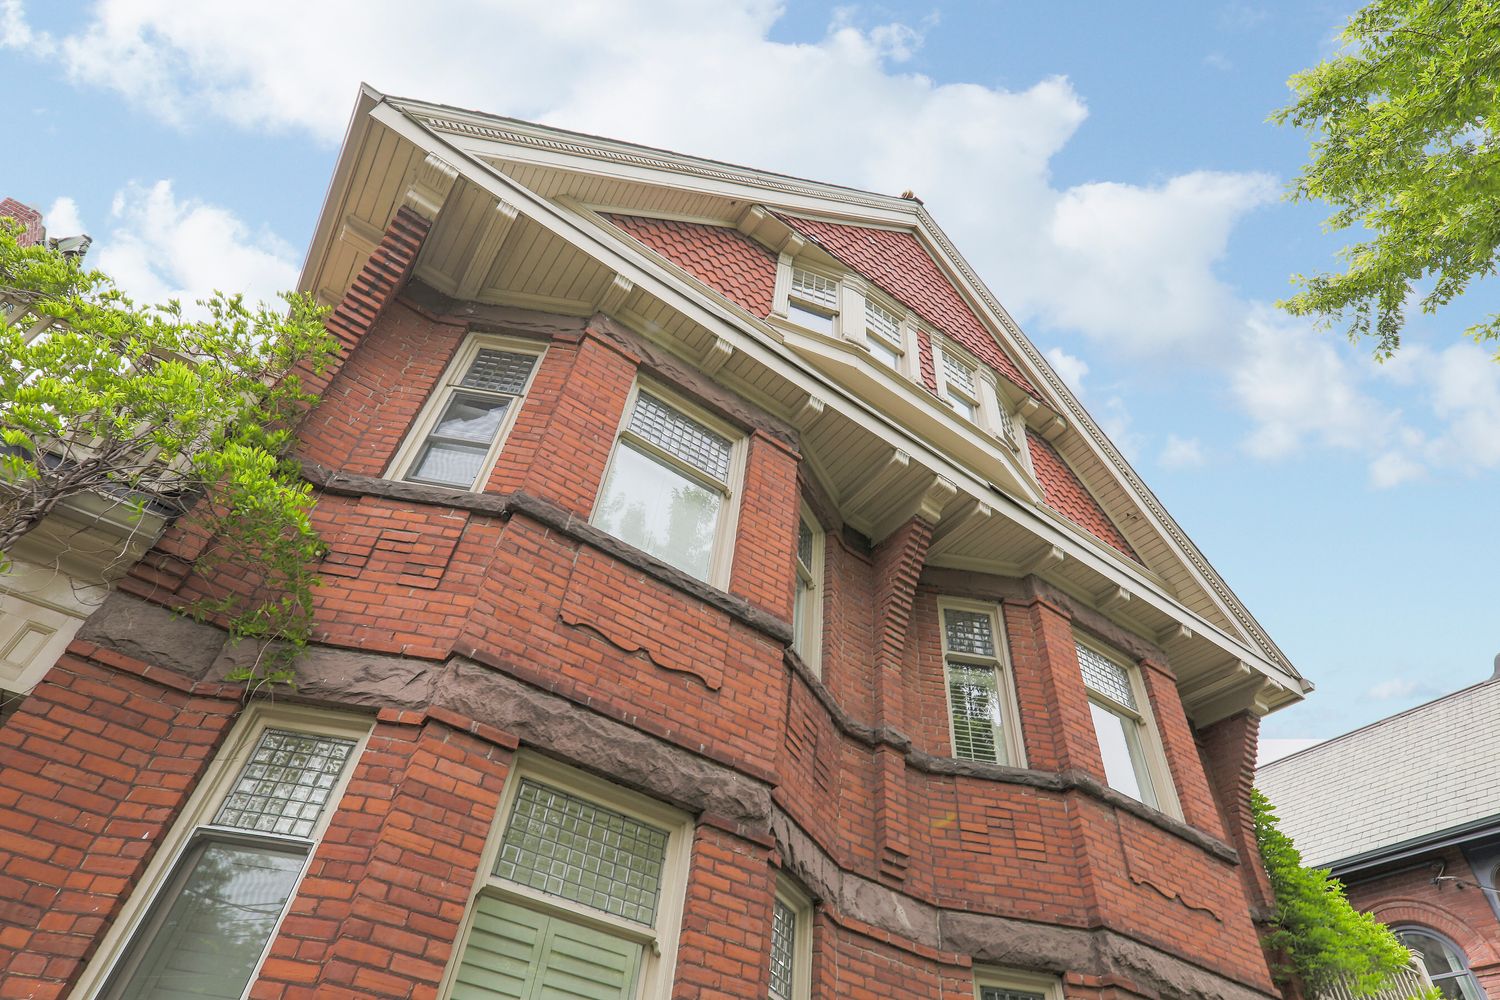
x=1108 y=168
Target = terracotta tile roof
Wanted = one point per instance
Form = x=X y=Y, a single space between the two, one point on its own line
x=29 y=218
x=1066 y=494
x=725 y=259
x=897 y=263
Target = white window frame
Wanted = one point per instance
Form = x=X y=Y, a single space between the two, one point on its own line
x=659 y=941
x=1148 y=737
x=795 y=900
x=724 y=533
x=401 y=466
x=992 y=977
x=791 y=297
x=909 y=351
x=807 y=613
x=1013 y=741
x=940 y=348
x=197 y=816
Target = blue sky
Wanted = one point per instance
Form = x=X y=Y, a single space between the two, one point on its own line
x=1107 y=167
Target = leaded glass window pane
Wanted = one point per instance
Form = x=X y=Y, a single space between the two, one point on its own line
x=500 y=371
x=783 y=950
x=681 y=436
x=996 y=993
x=569 y=847
x=223 y=904
x=1105 y=676
x=969 y=632
x=285 y=784
x=815 y=288
x=805 y=545
x=974 y=698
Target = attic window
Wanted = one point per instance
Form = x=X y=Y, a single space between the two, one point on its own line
x=885 y=341
x=959 y=389
x=812 y=300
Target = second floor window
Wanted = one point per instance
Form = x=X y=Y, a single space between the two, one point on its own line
x=1125 y=741
x=459 y=434
x=807 y=611
x=668 y=487
x=981 y=708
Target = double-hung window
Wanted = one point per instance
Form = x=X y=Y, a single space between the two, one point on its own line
x=883 y=336
x=582 y=898
x=959 y=383
x=812 y=300
x=791 y=944
x=204 y=918
x=807 y=611
x=982 y=713
x=668 y=488
x=460 y=431
x=1005 y=984
x=1132 y=759
x=1445 y=963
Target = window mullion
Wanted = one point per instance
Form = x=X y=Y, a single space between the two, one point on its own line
x=686 y=468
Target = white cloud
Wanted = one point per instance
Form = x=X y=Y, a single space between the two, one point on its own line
x=1130 y=266
x=159 y=246
x=16 y=33
x=1181 y=453
x=62 y=218
x=1070 y=369
x=1396 y=687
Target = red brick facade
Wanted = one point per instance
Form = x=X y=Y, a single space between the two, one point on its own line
x=472 y=628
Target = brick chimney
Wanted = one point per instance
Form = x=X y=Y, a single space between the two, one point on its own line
x=34 y=232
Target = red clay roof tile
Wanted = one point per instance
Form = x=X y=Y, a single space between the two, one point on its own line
x=725 y=259
x=1067 y=495
x=897 y=263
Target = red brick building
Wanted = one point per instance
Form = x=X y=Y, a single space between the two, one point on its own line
x=1406 y=814
x=723 y=598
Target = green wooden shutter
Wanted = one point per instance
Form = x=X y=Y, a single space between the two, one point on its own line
x=518 y=954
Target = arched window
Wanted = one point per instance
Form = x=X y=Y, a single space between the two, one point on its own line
x=1445 y=963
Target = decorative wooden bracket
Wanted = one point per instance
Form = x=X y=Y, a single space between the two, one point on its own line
x=429 y=188
x=482 y=260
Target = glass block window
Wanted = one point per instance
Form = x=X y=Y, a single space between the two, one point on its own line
x=974 y=698
x=1106 y=677
x=681 y=436
x=500 y=371
x=285 y=784
x=815 y=288
x=783 y=950
x=969 y=632
x=569 y=847
x=454 y=442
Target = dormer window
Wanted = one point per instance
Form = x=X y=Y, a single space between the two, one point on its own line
x=813 y=300
x=959 y=388
x=884 y=340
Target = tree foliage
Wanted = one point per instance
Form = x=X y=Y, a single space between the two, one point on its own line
x=149 y=408
x=1326 y=940
x=1404 y=146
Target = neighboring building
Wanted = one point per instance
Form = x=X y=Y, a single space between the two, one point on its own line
x=722 y=598
x=62 y=571
x=1406 y=813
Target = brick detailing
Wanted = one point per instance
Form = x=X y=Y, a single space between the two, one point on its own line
x=94 y=767
x=1066 y=494
x=384 y=273
x=380 y=909
x=722 y=951
x=30 y=219
x=897 y=567
x=1228 y=750
x=724 y=259
x=897 y=263
x=766 y=536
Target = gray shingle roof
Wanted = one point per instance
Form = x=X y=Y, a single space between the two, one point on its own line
x=1429 y=769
